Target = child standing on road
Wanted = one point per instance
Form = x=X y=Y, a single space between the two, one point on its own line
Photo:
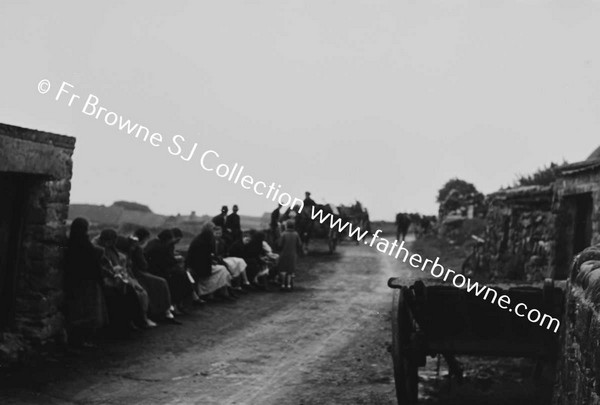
x=289 y=245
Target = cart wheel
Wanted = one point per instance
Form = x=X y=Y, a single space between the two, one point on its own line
x=405 y=369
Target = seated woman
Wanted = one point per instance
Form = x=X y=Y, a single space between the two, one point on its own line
x=210 y=277
x=271 y=259
x=253 y=253
x=162 y=262
x=85 y=306
x=159 y=307
x=127 y=300
x=235 y=265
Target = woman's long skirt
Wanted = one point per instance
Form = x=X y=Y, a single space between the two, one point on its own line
x=86 y=307
x=158 y=294
x=235 y=265
x=219 y=278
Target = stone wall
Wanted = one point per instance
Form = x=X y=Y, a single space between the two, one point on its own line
x=43 y=162
x=578 y=368
x=520 y=233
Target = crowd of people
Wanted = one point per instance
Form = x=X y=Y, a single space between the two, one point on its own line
x=128 y=282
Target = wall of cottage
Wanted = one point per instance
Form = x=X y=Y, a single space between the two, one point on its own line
x=44 y=162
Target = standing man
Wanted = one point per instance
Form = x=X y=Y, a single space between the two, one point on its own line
x=274 y=225
x=232 y=223
x=220 y=219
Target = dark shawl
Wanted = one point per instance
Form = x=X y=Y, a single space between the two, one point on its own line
x=200 y=254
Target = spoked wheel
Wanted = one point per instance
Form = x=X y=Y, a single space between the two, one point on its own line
x=405 y=368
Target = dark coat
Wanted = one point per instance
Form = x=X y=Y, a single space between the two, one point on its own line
x=219 y=220
x=275 y=218
x=233 y=223
x=160 y=258
x=290 y=245
x=199 y=257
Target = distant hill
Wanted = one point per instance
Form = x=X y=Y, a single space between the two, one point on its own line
x=132 y=206
x=115 y=215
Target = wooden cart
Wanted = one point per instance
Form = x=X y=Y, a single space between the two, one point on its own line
x=437 y=318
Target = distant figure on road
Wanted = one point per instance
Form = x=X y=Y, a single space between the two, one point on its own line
x=402 y=225
x=290 y=246
x=308 y=202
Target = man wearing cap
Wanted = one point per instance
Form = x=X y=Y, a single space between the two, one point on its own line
x=220 y=219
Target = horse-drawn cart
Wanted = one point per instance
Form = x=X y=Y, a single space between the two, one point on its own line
x=435 y=318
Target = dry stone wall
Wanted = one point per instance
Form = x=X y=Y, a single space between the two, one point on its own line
x=578 y=368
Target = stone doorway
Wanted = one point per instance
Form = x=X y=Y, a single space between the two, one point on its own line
x=575 y=232
x=12 y=202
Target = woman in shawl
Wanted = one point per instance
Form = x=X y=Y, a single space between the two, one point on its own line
x=159 y=307
x=128 y=299
x=162 y=262
x=200 y=259
x=235 y=265
x=85 y=306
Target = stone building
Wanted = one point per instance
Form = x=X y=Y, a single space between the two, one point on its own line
x=35 y=174
x=520 y=232
x=578 y=210
x=578 y=227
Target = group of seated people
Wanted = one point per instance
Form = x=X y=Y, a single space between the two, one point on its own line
x=134 y=281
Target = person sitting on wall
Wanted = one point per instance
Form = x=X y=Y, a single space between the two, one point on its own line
x=212 y=279
x=271 y=259
x=254 y=255
x=160 y=307
x=127 y=300
x=235 y=265
x=85 y=306
x=162 y=262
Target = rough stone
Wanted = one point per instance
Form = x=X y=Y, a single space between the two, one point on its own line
x=44 y=164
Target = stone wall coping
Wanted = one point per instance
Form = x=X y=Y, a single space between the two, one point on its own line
x=32 y=135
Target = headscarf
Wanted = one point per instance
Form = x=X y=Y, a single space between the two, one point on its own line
x=79 y=231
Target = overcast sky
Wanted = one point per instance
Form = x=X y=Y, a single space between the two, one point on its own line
x=381 y=101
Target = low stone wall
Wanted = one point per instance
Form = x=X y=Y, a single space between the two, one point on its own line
x=578 y=368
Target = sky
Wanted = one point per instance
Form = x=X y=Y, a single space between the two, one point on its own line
x=377 y=101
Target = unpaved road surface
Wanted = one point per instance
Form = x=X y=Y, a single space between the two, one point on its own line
x=324 y=343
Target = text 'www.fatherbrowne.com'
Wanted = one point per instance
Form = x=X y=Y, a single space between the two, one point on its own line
x=437 y=270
